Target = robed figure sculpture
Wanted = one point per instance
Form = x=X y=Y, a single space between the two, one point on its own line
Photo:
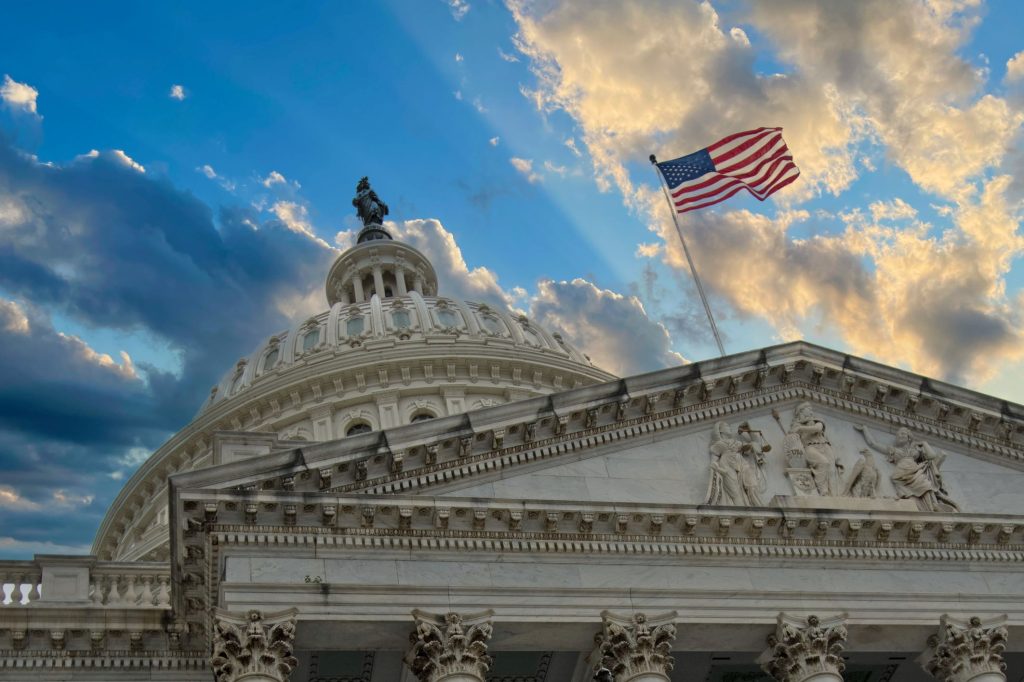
x=368 y=205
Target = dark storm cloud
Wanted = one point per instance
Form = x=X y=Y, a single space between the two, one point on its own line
x=99 y=241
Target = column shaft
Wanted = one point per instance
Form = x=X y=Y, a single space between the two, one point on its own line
x=357 y=288
x=400 y=281
x=378 y=282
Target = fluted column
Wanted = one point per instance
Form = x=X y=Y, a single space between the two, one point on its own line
x=635 y=648
x=357 y=288
x=253 y=647
x=378 y=281
x=808 y=650
x=450 y=648
x=967 y=651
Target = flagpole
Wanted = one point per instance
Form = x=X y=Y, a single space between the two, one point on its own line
x=689 y=258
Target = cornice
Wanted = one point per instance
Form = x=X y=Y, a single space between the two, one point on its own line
x=466 y=451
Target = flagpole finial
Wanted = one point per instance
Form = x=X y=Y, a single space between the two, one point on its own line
x=654 y=159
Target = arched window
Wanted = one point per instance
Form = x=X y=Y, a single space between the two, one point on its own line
x=310 y=339
x=357 y=428
x=270 y=361
x=421 y=416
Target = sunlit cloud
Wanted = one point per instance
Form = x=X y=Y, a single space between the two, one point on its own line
x=525 y=167
x=177 y=92
x=19 y=96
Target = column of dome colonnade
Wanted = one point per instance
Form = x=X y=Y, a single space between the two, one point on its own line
x=452 y=647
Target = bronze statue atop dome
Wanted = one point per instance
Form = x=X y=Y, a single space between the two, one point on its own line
x=370 y=208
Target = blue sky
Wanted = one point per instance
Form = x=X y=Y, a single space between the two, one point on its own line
x=175 y=180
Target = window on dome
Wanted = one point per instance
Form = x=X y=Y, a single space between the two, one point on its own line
x=491 y=324
x=357 y=428
x=270 y=361
x=421 y=416
x=310 y=340
x=400 y=318
x=354 y=326
x=447 y=318
x=237 y=383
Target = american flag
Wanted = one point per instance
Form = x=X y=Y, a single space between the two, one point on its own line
x=755 y=160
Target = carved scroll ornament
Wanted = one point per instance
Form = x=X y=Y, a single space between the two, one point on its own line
x=963 y=651
x=802 y=649
x=253 y=644
x=449 y=645
x=631 y=646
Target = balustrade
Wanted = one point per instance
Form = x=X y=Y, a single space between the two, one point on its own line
x=52 y=581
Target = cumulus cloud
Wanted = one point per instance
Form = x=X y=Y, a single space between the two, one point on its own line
x=525 y=167
x=177 y=92
x=19 y=96
x=612 y=329
x=295 y=217
x=100 y=242
x=494 y=141
x=862 y=79
x=1015 y=67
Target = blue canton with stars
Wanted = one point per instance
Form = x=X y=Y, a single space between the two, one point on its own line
x=686 y=168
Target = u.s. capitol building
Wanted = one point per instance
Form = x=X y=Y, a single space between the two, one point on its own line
x=414 y=488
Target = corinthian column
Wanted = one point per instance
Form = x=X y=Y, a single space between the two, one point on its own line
x=253 y=647
x=450 y=648
x=967 y=651
x=635 y=649
x=806 y=650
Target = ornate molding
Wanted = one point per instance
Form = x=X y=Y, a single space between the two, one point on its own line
x=253 y=644
x=965 y=650
x=449 y=645
x=800 y=649
x=631 y=646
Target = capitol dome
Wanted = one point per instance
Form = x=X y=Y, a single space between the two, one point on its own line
x=390 y=351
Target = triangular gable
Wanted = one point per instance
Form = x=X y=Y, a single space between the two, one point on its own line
x=649 y=438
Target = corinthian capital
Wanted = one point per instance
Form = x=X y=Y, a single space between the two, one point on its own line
x=635 y=647
x=254 y=646
x=966 y=650
x=450 y=648
x=803 y=649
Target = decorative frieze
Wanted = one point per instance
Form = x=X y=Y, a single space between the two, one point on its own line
x=635 y=648
x=802 y=650
x=255 y=647
x=967 y=650
x=450 y=648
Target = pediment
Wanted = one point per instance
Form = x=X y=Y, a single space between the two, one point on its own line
x=722 y=433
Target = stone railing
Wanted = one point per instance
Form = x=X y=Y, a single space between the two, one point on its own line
x=62 y=581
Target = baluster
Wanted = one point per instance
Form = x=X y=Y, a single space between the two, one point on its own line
x=114 y=596
x=16 y=594
x=163 y=595
x=146 y=597
x=96 y=591
x=130 y=596
x=4 y=581
x=34 y=585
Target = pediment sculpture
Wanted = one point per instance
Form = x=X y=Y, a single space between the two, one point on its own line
x=746 y=472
